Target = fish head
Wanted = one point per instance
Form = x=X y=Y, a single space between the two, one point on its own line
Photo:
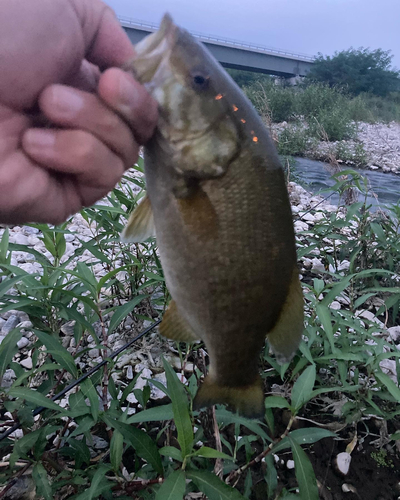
x=195 y=117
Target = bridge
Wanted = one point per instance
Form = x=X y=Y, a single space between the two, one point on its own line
x=235 y=54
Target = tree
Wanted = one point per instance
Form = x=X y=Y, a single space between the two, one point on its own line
x=361 y=70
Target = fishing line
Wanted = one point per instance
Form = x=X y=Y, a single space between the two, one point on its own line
x=83 y=377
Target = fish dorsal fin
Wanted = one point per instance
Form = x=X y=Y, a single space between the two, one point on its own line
x=285 y=336
x=174 y=327
x=140 y=224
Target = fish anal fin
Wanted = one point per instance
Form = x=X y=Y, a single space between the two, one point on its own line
x=285 y=336
x=174 y=327
x=247 y=400
x=140 y=224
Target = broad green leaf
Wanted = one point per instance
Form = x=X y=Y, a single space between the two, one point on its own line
x=121 y=312
x=8 y=348
x=228 y=417
x=90 y=392
x=303 y=387
x=324 y=315
x=34 y=397
x=213 y=487
x=173 y=488
x=98 y=484
x=276 y=402
x=304 y=473
x=23 y=445
x=82 y=452
x=84 y=426
x=59 y=353
x=180 y=408
x=140 y=441
x=43 y=487
x=271 y=476
x=207 y=452
x=395 y=436
x=116 y=450
x=4 y=245
x=389 y=384
x=308 y=435
x=156 y=414
x=7 y=284
x=171 y=451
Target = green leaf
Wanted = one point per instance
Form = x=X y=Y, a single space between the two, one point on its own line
x=90 y=392
x=171 y=451
x=324 y=315
x=213 y=487
x=43 y=486
x=116 y=450
x=8 y=348
x=59 y=353
x=173 y=487
x=121 y=312
x=303 y=387
x=140 y=441
x=228 y=417
x=4 y=245
x=304 y=473
x=180 y=408
x=395 y=436
x=389 y=384
x=276 y=402
x=308 y=435
x=98 y=484
x=84 y=426
x=23 y=445
x=82 y=452
x=34 y=397
x=207 y=452
x=156 y=414
x=271 y=476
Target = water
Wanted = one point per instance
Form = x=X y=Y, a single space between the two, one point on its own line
x=315 y=177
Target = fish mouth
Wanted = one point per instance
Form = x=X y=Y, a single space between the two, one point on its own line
x=152 y=50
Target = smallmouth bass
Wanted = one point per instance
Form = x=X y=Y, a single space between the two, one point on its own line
x=218 y=205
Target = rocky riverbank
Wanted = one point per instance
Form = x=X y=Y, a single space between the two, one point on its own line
x=307 y=209
x=376 y=146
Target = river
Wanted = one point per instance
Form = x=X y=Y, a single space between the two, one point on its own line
x=314 y=176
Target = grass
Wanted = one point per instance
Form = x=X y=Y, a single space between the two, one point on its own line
x=168 y=450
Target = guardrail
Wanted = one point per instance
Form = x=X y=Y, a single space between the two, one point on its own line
x=230 y=42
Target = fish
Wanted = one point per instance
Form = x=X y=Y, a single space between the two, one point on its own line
x=218 y=206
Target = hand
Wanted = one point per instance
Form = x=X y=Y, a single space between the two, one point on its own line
x=52 y=53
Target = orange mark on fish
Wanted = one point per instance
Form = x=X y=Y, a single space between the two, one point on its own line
x=255 y=139
x=235 y=108
x=218 y=97
x=243 y=120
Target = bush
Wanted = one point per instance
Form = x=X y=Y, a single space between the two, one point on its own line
x=293 y=141
x=331 y=125
x=278 y=103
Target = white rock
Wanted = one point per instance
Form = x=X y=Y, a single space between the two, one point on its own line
x=290 y=464
x=129 y=372
x=335 y=305
x=21 y=239
x=22 y=343
x=27 y=363
x=317 y=265
x=394 y=333
x=343 y=461
x=369 y=316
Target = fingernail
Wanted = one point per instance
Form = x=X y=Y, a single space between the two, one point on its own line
x=67 y=101
x=39 y=138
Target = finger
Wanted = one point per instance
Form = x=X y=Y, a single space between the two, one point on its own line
x=87 y=78
x=75 y=152
x=72 y=108
x=131 y=100
x=106 y=43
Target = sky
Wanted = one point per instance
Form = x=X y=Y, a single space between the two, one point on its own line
x=300 y=26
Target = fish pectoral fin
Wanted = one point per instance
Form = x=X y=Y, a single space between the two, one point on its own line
x=285 y=336
x=174 y=327
x=247 y=400
x=140 y=224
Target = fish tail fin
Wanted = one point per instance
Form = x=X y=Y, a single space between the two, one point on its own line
x=248 y=400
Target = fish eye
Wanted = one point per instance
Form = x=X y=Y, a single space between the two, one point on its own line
x=200 y=81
